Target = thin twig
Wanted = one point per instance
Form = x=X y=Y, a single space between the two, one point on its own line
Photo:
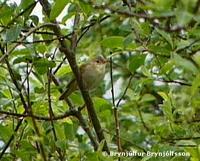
x=115 y=110
x=37 y=117
x=73 y=64
x=22 y=39
x=126 y=140
x=124 y=93
x=37 y=131
x=78 y=115
x=20 y=14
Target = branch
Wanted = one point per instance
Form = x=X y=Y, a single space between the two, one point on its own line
x=128 y=14
x=72 y=61
x=30 y=112
x=6 y=146
x=22 y=39
x=115 y=110
x=127 y=140
x=17 y=16
x=78 y=115
x=24 y=115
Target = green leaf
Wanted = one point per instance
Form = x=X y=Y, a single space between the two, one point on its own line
x=13 y=33
x=196 y=58
x=42 y=65
x=183 y=44
x=25 y=51
x=35 y=19
x=184 y=63
x=183 y=17
x=6 y=14
x=168 y=66
x=113 y=42
x=135 y=62
x=6 y=132
x=148 y=98
x=86 y=8
x=100 y=148
x=163 y=5
x=57 y=8
x=61 y=144
x=129 y=42
x=166 y=36
x=163 y=49
x=194 y=32
x=24 y=59
x=65 y=69
x=101 y=103
x=25 y=4
x=163 y=95
x=39 y=90
x=167 y=110
x=69 y=129
x=41 y=48
x=68 y=16
x=23 y=154
x=195 y=84
x=92 y=156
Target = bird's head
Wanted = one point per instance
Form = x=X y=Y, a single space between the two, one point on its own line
x=100 y=60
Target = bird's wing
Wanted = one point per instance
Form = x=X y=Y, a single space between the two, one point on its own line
x=71 y=87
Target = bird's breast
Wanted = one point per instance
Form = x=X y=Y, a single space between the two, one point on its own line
x=92 y=75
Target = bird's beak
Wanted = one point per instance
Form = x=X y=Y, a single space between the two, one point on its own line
x=107 y=61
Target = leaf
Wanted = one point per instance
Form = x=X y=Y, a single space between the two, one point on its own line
x=184 y=63
x=163 y=5
x=6 y=14
x=101 y=103
x=69 y=129
x=168 y=66
x=28 y=6
x=25 y=51
x=57 y=8
x=86 y=8
x=113 y=42
x=183 y=44
x=183 y=17
x=135 y=62
x=129 y=42
x=61 y=144
x=65 y=69
x=163 y=95
x=5 y=133
x=24 y=59
x=39 y=90
x=147 y=98
x=166 y=106
x=92 y=156
x=13 y=33
x=41 y=48
x=196 y=58
x=68 y=16
x=101 y=145
x=35 y=19
x=164 y=49
x=166 y=36
x=195 y=84
x=42 y=65
x=25 y=3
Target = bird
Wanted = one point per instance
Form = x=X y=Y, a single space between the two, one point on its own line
x=92 y=74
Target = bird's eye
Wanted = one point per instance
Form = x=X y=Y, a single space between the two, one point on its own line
x=98 y=61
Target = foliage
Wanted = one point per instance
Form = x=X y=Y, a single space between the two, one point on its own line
x=151 y=89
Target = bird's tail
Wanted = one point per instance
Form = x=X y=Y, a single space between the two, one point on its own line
x=71 y=87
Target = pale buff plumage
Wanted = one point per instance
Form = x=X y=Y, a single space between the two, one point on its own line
x=92 y=74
